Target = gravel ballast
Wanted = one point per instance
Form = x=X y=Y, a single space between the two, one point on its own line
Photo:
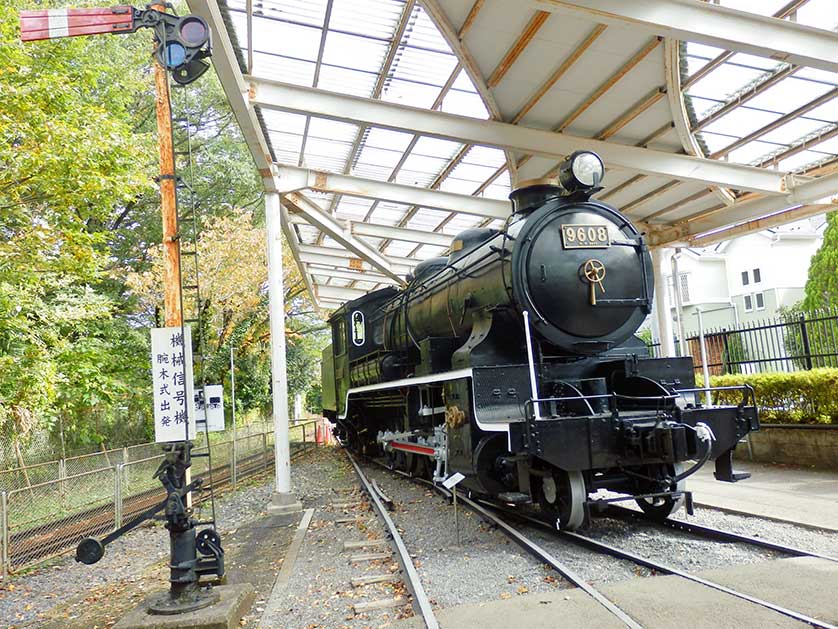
x=25 y=596
x=484 y=566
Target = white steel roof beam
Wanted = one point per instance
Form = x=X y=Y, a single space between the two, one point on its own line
x=355 y=276
x=713 y=25
x=403 y=234
x=285 y=97
x=325 y=223
x=339 y=293
x=803 y=194
x=341 y=259
x=291 y=178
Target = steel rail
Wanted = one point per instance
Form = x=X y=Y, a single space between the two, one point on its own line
x=666 y=569
x=413 y=580
x=620 y=553
x=546 y=557
x=709 y=532
x=530 y=546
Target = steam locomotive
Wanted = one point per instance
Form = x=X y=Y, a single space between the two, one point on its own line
x=514 y=361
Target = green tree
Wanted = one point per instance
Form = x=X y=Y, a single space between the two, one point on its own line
x=822 y=283
x=71 y=158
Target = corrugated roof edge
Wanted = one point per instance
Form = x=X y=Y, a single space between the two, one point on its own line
x=226 y=16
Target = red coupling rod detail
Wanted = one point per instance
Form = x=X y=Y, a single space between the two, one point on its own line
x=412 y=447
x=55 y=23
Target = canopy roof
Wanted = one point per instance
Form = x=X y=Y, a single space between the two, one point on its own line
x=391 y=125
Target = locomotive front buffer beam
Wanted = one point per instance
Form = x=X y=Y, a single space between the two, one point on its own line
x=617 y=441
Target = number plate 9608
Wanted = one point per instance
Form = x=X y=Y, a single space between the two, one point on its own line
x=585 y=237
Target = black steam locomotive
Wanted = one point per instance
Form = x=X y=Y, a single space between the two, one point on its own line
x=514 y=361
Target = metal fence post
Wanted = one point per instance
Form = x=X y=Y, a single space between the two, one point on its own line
x=117 y=496
x=725 y=352
x=4 y=532
x=265 y=450
x=804 y=336
x=233 y=472
x=62 y=478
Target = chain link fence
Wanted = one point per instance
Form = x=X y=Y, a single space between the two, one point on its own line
x=48 y=508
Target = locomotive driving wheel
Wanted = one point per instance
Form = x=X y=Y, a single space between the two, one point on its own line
x=662 y=507
x=562 y=498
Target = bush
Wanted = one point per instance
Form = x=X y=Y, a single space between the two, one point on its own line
x=799 y=397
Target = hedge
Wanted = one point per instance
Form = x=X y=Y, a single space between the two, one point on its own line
x=798 y=397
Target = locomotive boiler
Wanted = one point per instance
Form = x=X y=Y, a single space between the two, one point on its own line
x=514 y=361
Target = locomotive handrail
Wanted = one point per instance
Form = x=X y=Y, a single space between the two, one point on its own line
x=747 y=390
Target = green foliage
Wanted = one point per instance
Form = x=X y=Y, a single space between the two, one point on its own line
x=79 y=215
x=70 y=159
x=822 y=284
x=314 y=398
x=734 y=354
x=821 y=336
x=806 y=397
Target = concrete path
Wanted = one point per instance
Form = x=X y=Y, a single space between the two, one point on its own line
x=803 y=584
x=798 y=495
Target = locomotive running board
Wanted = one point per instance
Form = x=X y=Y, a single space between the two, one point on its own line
x=396 y=384
x=429 y=379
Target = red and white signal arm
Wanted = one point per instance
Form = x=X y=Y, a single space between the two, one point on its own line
x=55 y=23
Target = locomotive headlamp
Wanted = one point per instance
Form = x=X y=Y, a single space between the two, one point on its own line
x=583 y=170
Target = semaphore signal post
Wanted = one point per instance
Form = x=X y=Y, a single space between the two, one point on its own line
x=181 y=45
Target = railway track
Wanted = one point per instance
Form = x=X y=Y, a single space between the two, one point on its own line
x=412 y=580
x=27 y=548
x=494 y=513
x=662 y=568
x=530 y=546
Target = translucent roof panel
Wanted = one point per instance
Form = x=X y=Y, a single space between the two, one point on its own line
x=741 y=108
x=768 y=112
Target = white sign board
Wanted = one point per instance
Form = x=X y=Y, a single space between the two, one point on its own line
x=171 y=370
x=211 y=409
x=452 y=480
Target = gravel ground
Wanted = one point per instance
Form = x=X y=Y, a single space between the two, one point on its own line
x=815 y=540
x=32 y=593
x=485 y=566
x=320 y=594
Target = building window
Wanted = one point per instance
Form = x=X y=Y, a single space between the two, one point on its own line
x=339 y=337
x=685 y=288
x=757 y=276
x=760 y=301
x=745 y=280
x=749 y=304
x=683 y=284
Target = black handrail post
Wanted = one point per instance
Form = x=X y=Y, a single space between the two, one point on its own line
x=804 y=335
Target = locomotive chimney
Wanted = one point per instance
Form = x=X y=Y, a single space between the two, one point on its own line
x=532 y=193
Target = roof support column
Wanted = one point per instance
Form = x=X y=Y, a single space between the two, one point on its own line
x=282 y=500
x=662 y=321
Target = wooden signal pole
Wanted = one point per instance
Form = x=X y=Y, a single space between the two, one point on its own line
x=168 y=197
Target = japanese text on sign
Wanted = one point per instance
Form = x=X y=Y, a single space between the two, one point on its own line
x=171 y=368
